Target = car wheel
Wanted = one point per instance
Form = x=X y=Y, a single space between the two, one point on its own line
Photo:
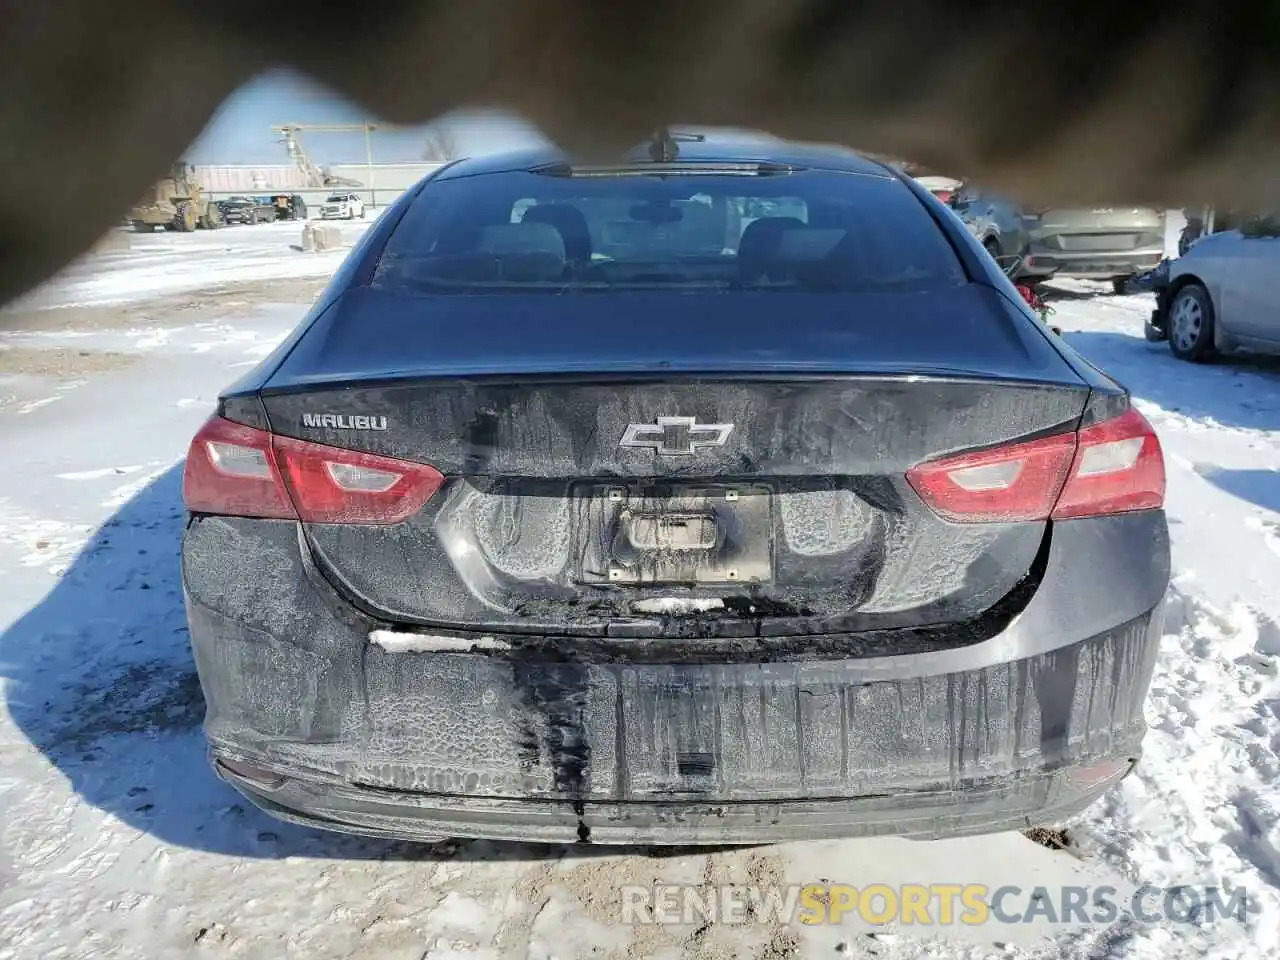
x=1190 y=323
x=185 y=220
x=1120 y=285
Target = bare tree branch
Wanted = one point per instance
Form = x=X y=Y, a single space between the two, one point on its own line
x=441 y=145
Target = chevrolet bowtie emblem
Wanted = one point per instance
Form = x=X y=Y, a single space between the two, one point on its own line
x=676 y=436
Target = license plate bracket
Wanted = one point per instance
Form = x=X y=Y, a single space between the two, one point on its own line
x=667 y=534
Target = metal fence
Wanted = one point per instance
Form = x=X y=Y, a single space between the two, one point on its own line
x=380 y=183
x=315 y=196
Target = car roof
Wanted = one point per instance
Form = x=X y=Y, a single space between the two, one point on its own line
x=713 y=149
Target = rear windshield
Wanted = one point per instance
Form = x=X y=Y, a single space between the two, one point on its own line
x=531 y=232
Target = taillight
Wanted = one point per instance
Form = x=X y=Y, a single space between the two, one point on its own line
x=242 y=471
x=330 y=485
x=1017 y=482
x=1111 y=467
x=232 y=470
x=1118 y=467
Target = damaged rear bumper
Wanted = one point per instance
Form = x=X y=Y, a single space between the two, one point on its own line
x=317 y=725
x=973 y=807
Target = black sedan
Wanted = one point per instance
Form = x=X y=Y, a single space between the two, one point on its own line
x=724 y=497
x=250 y=210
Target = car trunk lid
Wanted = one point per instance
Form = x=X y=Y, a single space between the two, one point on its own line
x=1098 y=229
x=756 y=486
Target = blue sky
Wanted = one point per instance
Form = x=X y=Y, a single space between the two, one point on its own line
x=241 y=131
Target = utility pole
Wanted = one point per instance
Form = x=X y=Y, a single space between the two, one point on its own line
x=368 y=159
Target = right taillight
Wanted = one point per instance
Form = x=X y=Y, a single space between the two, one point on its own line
x=1111 y=467
x=242 y=471
x=1118 y=467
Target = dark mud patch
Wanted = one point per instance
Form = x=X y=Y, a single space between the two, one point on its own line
x=59 y=363
x=1054 y=838
x=226 y=299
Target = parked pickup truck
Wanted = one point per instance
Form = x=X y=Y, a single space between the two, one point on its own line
x=342 y=206
x=247 y=210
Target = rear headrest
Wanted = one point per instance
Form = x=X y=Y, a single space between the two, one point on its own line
x=499 y=253
x=758 y=246
x=504 y=239
x=521 y=252
x=571 y=224
x=808 y=244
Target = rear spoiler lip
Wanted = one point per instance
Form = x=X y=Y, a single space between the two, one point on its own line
x=646 y=374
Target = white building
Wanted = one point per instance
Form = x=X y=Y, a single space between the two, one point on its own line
x=379 y=183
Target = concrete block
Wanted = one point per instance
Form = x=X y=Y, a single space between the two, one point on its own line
x=320 y=237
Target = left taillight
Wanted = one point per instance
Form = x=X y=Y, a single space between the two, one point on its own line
x=232 y=470
x=236 y=470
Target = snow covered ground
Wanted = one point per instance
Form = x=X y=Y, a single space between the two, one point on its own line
x=163 y=262
x=117 y=840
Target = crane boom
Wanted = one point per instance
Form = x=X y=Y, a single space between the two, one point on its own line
x=291 y=136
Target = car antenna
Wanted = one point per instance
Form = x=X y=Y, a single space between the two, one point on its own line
x=665 y=143
x=663 y=149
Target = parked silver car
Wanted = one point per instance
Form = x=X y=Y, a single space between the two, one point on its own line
x=1221 y=295
x=1104 y=243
